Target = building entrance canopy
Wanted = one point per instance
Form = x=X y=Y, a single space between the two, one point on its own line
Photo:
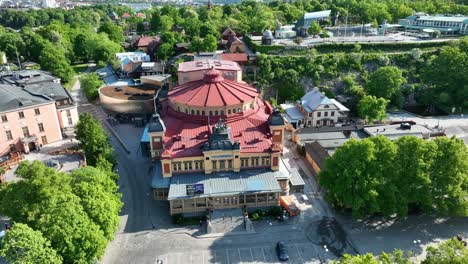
x=223 y=184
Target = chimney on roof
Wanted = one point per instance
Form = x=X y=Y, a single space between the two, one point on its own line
x=183 y=146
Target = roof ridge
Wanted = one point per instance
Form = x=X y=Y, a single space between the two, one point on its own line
x=190 y=100
x=220 y=94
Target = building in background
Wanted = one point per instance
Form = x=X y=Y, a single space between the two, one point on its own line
x=43 y=84
x=147 y=44
x=285 y=32
x=446 y=24
x=195 y=70
x=49 y=4
x=314 y=109
x=130 y=61
x=303 y=24
x=28 y=121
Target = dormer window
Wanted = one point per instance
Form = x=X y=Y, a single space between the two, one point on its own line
x=326 y=106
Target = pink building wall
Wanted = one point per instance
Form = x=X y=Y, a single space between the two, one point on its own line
x=48 y=117
x=185 y=77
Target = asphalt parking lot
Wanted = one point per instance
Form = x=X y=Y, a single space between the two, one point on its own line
x=298 y=253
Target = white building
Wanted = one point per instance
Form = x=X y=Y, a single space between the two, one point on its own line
x=137 y=56
x=49 y=4
x=454 y=24
x=314 y=109
x=285 y=32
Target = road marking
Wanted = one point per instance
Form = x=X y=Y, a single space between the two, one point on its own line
x=299 y=252
x=250 y=249
x=227 y=256
x=263 y=253
x=203 y=257
x=240 y=258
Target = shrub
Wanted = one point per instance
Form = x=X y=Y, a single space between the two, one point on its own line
x=90 y=84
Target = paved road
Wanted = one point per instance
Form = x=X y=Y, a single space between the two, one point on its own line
x=453 y=125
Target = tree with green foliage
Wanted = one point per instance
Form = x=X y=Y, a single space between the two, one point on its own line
x=99 y=197
x=452 y=251
x=114 y=31
x=385 y=82
x=372 y=109
x=449 y=177
x=397 y=257
x=314 y=29
x=102 y=49
x=93 y=139
x=44 y=200
x=166 y=23
x=356 y=173
x=22 y=244
x=210 y=43
x=90 y=83
x=414 y=159
x=447 y=75
x=165 y=51
x=376 y=175
x=196 y=45
x=53 y=59
x=288 y=84
x=155 y=21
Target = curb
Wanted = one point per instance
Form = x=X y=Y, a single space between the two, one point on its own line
x=215 y=235
x=117 y=137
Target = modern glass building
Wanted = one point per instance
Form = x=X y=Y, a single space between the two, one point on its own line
x=455 y=24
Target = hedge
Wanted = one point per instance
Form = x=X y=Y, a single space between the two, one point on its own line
x=347 y=47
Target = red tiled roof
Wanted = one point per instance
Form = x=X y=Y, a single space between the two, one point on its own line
x=228 y=32
x=140 y=15
x=250 y=128
x=145 y=41
x=126 y=15
x=237 y=57
x=212 y=91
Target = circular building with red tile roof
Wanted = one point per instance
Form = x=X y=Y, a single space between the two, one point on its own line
x=213 y=96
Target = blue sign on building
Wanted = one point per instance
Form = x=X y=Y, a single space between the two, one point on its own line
x=195 y=189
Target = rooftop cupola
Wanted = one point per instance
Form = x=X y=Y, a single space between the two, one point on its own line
x=213 y=76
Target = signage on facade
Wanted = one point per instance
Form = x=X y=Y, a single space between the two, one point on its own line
x=221 y=157
x=195 y=189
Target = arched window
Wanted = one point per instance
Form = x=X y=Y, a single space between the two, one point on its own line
x=234 y=110
x=198 y=112
x=216 y=112
x=178 y=109
x=222 y=112
x=229 y=111
x=193 y=112
x=211 y=113
x=239 y=110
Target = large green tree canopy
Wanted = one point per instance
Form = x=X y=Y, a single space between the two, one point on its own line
x=376 y=175
x=22 y=244
x=45 y=201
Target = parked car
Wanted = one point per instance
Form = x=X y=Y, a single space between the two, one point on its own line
x=281 y=251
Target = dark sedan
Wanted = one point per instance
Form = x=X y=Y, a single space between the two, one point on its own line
x=281 y=251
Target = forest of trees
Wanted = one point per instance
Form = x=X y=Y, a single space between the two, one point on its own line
x=435 y=76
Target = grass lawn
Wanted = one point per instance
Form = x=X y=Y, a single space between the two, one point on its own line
x=69 y=85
